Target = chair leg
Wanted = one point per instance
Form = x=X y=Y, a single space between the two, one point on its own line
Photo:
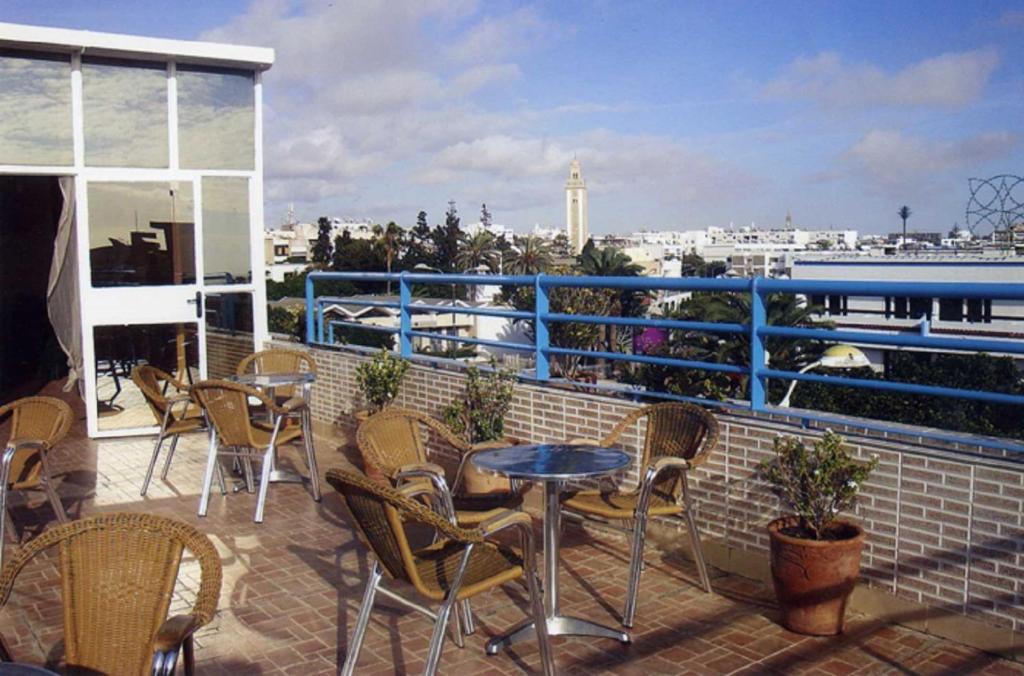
x=307 y=438
x=635 y=568
x=248 y=473
x=211 y=463
x=261 y=500
x=352 y=653
x=437 y=638
x=220 y=479
x=51 y=492
x=698 y=552
x=152 y=463
x=5 y=471
x=170 y=455
x=466 y=611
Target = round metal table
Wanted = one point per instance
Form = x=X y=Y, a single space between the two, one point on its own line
x=270 y=382
x=552 y=465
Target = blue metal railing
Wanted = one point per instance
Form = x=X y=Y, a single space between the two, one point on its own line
x=756 y=329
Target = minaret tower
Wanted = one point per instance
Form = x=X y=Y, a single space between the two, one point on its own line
x=576 y=208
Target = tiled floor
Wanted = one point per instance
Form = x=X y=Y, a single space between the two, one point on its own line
x=292 y=587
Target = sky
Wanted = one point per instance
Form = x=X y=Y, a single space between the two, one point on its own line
x=683 y=114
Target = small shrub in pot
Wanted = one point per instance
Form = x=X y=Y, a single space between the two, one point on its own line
x=815 y=555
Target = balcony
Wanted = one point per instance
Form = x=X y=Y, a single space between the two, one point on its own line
x=293 y=584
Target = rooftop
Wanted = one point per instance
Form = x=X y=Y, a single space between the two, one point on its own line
x=292 y=587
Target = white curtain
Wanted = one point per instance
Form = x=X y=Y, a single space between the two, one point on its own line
x=62 y=299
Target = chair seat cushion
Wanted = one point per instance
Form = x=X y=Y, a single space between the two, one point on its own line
x=285 y=435
x=474 y=509
x=619 y=505
x=490 y=565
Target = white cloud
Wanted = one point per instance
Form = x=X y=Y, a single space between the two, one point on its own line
x=892 y=160
x=953 y=79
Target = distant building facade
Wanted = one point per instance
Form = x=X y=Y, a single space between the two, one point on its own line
x=576 y=225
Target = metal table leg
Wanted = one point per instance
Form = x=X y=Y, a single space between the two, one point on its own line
x=558 y=625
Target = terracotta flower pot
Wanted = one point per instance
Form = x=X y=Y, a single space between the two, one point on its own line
x=476 y=482
x=814 y=578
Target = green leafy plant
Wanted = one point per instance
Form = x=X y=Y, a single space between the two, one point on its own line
x=480 y=414
x=380 y=378
x=817 y=483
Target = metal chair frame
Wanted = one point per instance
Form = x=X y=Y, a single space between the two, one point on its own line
x=650 y=474
x=498 y=523
x=247 y=452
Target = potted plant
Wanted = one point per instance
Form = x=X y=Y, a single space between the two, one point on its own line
x=479 y=418
x=815 y=556
x=379 y=380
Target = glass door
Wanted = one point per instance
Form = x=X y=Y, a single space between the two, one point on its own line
x=144 y=302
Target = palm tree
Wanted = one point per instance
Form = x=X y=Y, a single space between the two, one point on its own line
x=607 y=262
x=904 y=213
x=531 y=256
x=478 y=250
x=389 y=241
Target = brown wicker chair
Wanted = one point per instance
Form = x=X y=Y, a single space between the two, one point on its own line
x=677 y=438
x=37 y=425
x=117 y=580
x=176 y=414
x=393 y=442
x=458 y=565
x=227 y=409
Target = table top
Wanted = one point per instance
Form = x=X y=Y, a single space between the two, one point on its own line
x=273 y=379
x=545 y=462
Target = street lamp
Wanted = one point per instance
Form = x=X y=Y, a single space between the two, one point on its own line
x=835 y=357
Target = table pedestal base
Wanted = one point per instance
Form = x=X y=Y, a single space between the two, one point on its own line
x=559 y=625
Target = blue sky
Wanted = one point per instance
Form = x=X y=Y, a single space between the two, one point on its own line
x=683 y=115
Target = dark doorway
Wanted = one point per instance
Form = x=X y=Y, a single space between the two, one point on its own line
x=30 y=355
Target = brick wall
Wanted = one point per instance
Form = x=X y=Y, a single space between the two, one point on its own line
x=945 y=525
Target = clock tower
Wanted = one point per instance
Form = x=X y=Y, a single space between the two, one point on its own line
x=576 y=208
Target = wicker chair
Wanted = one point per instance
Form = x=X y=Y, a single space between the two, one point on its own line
x=677 y=438
x=176 y=414
x=458 y=565
x=37 y=425
x=392 y=441
x=117 y=580
x=278 y=361
x=232 y=427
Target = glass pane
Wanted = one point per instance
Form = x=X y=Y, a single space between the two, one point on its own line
x=125 y=110
x=226 y=248
x=141 y=234
x=170 y=347
x=229 y=337
x=216 y=117
x=35 y=109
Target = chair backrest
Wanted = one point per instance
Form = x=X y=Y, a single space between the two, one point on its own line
x=148 y=379
x=380 y=514
x=277 y=360
x=395 y=437
x=43 y=419
x=117 y=578
x=227 y=408
x=673 y=429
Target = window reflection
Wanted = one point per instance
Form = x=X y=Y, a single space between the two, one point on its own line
x=229 y=336
x=35 y=109
x=216 y=116
x=226 y=247
x=173 y=348
x=125 y=110
x=141 y=234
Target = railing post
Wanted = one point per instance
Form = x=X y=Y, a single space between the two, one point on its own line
x=758 y=318
x=404 y=318
x=540 y=329
x=319 y=322
x=309 y=308
x=330 y=333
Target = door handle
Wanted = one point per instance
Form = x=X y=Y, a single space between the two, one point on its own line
x=198 y=301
